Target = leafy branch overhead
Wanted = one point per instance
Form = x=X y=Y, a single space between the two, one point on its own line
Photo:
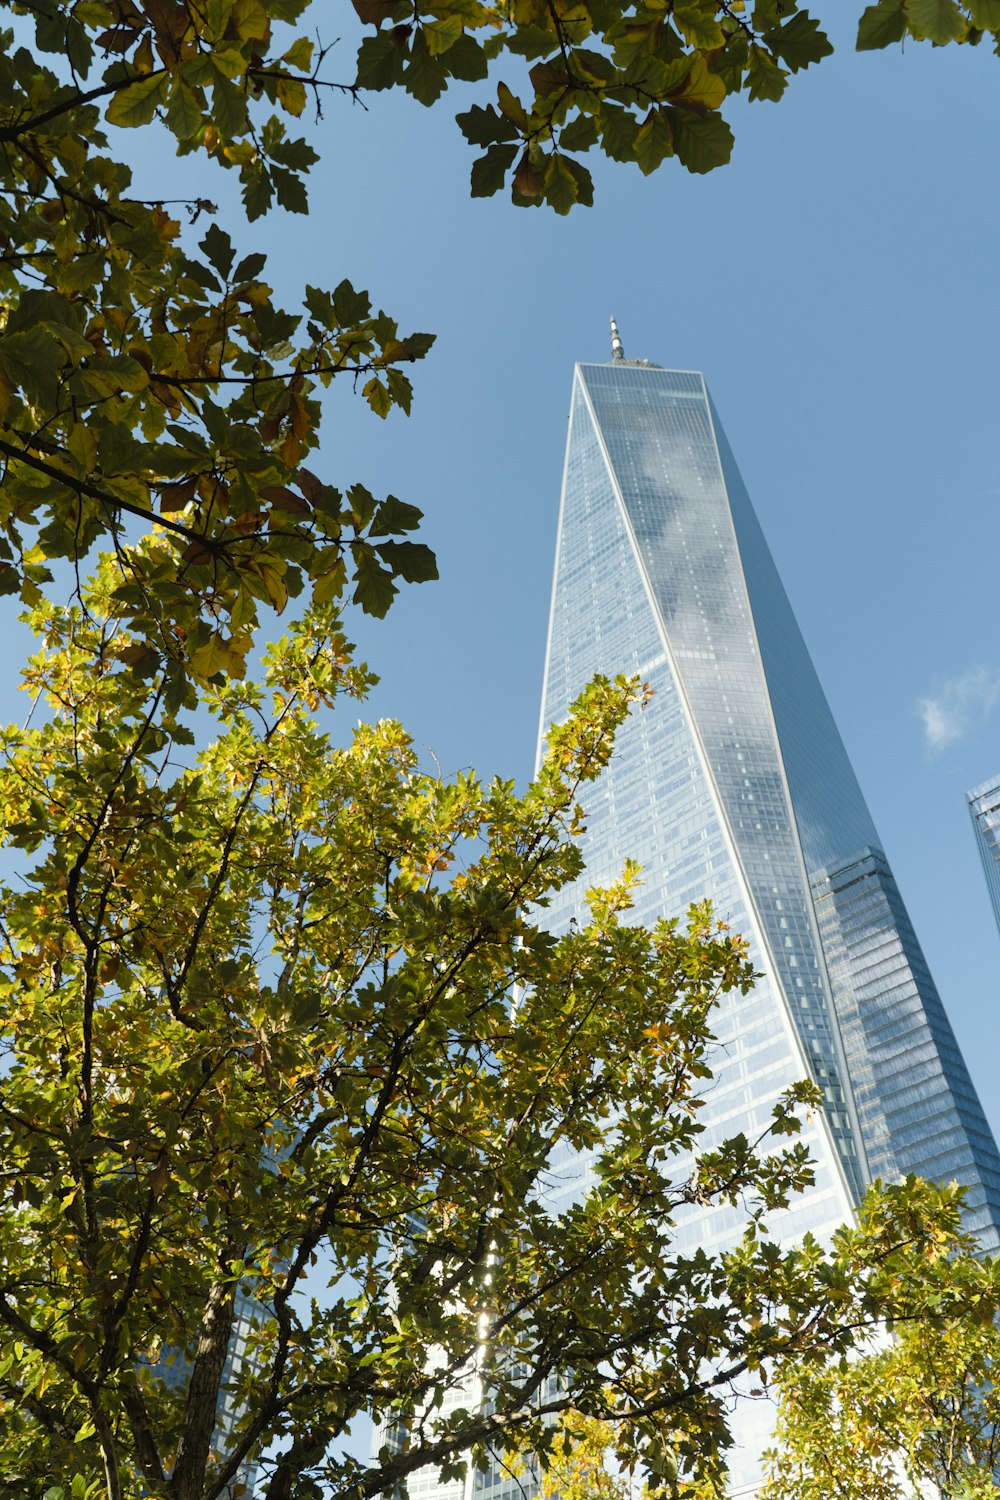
x=153 y=393
x=256 y=1037
x=638 y=82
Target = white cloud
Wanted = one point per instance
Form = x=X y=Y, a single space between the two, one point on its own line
x=960 y=706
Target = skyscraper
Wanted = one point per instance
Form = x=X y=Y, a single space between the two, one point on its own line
x=984 y=805
x=734 y=784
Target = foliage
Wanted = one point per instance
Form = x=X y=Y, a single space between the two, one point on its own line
x=256 y=1020
x=153 y=393
x=639 y=82
x=256 y=999
x=581 y=1465
x=918 y=1411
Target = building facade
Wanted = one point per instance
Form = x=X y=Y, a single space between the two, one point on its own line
x=734 y=784
x=984 y=805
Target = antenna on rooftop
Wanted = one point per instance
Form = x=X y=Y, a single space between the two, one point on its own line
x=617 y=352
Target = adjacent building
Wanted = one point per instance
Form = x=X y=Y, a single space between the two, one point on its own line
x=984 y=805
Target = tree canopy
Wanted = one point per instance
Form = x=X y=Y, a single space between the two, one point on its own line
x=915 y=1409
x=154 y=395
x=256 y=983
x=256 y=1020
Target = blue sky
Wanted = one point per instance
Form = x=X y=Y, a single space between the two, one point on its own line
x=838 y=285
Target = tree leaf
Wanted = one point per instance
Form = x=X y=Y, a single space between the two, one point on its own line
x=766 y=79
x=697 y=20
x=701 y=87
x=654 y=140
x=412 y=561
x=489 y=171
x=218 y=249
x=136 y=103
x=560 y=184
x=938 y=21
x=482 y=127
x=799 y=41
x=881 y=25
x=374 y=589
x=701 y=142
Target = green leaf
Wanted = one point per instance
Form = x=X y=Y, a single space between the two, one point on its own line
x=482 y=127
x=443 y=34
x=424 y=77
x=619 y=128
x=799 y=41
x=374 y=12
x=32 y=359
x=560 y=184
x=766 y=79
x=377 y=396
x=380 y=63
x=701 y=89
x=184 y=111
x=350 y=306
x=290 y=190
x=985 y=14
x=489 y=171
x=937 y=21
x=697 y=20
x=257 y=190
x=218 y=248
x=394 y=516
x=250 y=267
x=881 y=25
x=136 y=103
x=701 y=142
x=417 y=345
x=409 y=560
x=579 y=134
x=467 y=60
x=229 y=108
x=654 y=141
x=584 y=182
x=374 y=589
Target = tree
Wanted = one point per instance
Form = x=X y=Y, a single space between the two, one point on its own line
x=581 y=1463
x=915 y=1410
x=639 y=82
x=256 y=998
x=256 y=1015
x=154 y=396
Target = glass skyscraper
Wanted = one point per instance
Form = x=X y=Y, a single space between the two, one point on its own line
x=984 y=805
x=734 y=784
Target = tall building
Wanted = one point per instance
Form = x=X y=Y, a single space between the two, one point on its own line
x=984 y=805
x=734 y=784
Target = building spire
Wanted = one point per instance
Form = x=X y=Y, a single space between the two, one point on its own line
x=617 y=352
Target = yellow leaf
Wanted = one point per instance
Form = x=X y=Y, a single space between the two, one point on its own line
x=440 y=35
x=511 y=106
x=218 y=655
x=292 y=94
x=83 y=445
x=701 y=87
